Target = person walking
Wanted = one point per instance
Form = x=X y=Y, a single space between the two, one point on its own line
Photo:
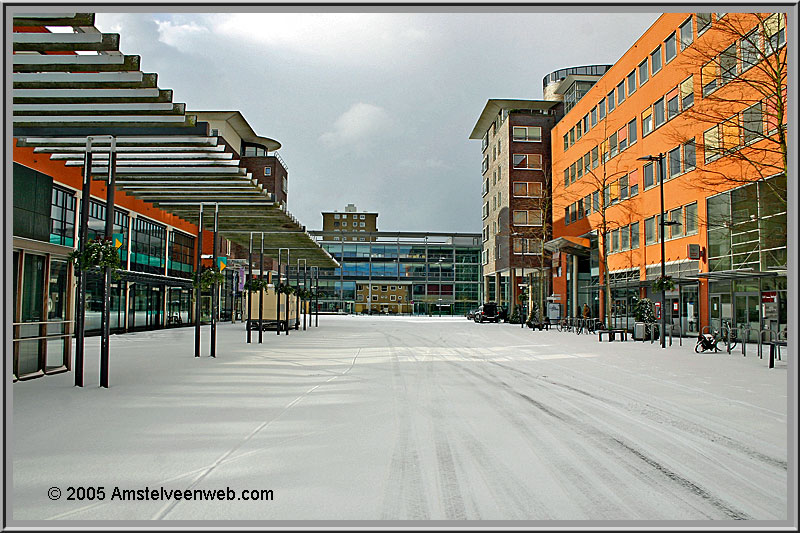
x=587 y=313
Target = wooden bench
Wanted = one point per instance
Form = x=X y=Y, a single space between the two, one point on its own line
x=612 y=333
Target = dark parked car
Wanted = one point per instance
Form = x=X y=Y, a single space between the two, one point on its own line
x=471 y=314
x=486 y=313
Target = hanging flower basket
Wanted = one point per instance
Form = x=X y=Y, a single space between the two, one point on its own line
x=285 y=289
x=663 y=284
x=97 y=254
x=255 y=284
x=208 y=278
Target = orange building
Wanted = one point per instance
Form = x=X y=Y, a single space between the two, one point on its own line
x=697 y=94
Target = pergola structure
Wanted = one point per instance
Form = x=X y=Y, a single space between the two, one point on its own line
x=79 y=99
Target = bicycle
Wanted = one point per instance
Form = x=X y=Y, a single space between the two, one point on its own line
x=564 y=325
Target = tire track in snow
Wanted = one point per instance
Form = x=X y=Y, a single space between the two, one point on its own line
x=595 y=432
x=662 y=416
x=404 y=495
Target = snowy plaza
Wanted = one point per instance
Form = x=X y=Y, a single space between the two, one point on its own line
x=405 y=418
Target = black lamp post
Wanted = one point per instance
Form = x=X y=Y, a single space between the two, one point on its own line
x=662 y=223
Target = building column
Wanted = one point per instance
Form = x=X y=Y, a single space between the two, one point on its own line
x=487 y=281
x=575 y=285
x=498 y=287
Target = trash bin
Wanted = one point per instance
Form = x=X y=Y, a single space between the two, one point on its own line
x=639 y=331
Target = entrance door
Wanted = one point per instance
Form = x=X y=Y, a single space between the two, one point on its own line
x=746 y=314
x=30 y=353
x=715 y=311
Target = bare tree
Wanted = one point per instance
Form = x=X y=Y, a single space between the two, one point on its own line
x=604 y=194
x=742 y=65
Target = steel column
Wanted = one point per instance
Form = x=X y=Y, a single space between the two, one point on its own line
x=105 y=329
x=248 y=292
x=197 y=291
x=215 y=288
x=83 y=235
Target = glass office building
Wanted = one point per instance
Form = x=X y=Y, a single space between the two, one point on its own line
x=435 y=274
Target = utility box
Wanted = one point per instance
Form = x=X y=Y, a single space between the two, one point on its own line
x=269 y=305
x=639 y=331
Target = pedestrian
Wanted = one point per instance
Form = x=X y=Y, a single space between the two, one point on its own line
x=587 y=313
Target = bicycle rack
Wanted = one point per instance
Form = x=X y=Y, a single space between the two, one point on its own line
x=773 y=336
x=680 y=333
x=744 y=335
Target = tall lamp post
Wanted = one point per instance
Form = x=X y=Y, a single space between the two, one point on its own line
x=662 y=223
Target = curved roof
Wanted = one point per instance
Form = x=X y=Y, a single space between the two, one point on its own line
x=239 y=125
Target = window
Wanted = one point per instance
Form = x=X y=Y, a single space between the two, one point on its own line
x=703 y=22
x=586 y=125
x=392 y=298
x=566 y=177
x=689 y=158
x=531 y=217
x=623 y=187
x=749 y=47
x=673 y=106
x=612 y=145
x=527 y=133
x=566 y=141
x=587 y=162
x=631 y=132
x=566 y=215
x=611 y=101
x=691 y=218
x=655 y=60
x=268 y=171
x=658 y=113
x=485 y=189
x=528 y=161
x=676 y=228
x=62 y=217
x=384 y=288
x=686 y=34
x=580 y=209
x=374 y=297
x=634 y=236
x=633 y=183
x=708 y=77
x=336 y=217
x=362 y=224
x=647 y=121
x=650 y=236
x=594 y=116
x=572 y=173
x=362 y=217
x=670 y=48
x=752 y=123
x=727 y=64
x=631 y=83
x=587 y=205
x=596 y=201
x=649 y=179
x=579 y=168
x=525 y=189
x=674 y=158
x=711 y=144
x=687 y=93
x=643 y=73
x=485 y=141
x=621 y=92
x=344 y=224
x=774 y=32
x=485 y=209
x=485 y=165
x=614 y=241
x=572 y=136
x=625 y=238
x=601 y=109
x=595 y=157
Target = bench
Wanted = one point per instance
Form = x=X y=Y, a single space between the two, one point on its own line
x=612 y=333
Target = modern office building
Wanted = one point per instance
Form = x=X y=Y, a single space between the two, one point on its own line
x=350 y=221
x=401 y=272
x=517 y=172
x=696 y=106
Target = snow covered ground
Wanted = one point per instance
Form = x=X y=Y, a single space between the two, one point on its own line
x=407 y=418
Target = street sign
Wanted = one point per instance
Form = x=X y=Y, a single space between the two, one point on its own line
x=222 y=263
x=118 y=239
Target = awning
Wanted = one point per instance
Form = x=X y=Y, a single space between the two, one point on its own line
x=571 y=245
x=70 y=85
x=725 y=275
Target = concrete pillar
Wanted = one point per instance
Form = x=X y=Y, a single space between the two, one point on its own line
x=574 y=285
x=498 y=288
x=487 y=282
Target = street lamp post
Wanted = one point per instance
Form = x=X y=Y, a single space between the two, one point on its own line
x=662 y=223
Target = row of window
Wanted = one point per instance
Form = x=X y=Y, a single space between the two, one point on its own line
x=355 y=224
x=651 y=65
x=526 y=246
x=343 y=216
x=681 y=222
x=739 y=130
x=527 y=217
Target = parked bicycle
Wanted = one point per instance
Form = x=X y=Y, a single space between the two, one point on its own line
x=711 y=341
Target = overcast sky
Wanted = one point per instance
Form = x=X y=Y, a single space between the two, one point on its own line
x=371 y=108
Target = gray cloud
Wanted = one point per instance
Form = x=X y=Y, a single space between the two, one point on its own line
x=371 y=108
